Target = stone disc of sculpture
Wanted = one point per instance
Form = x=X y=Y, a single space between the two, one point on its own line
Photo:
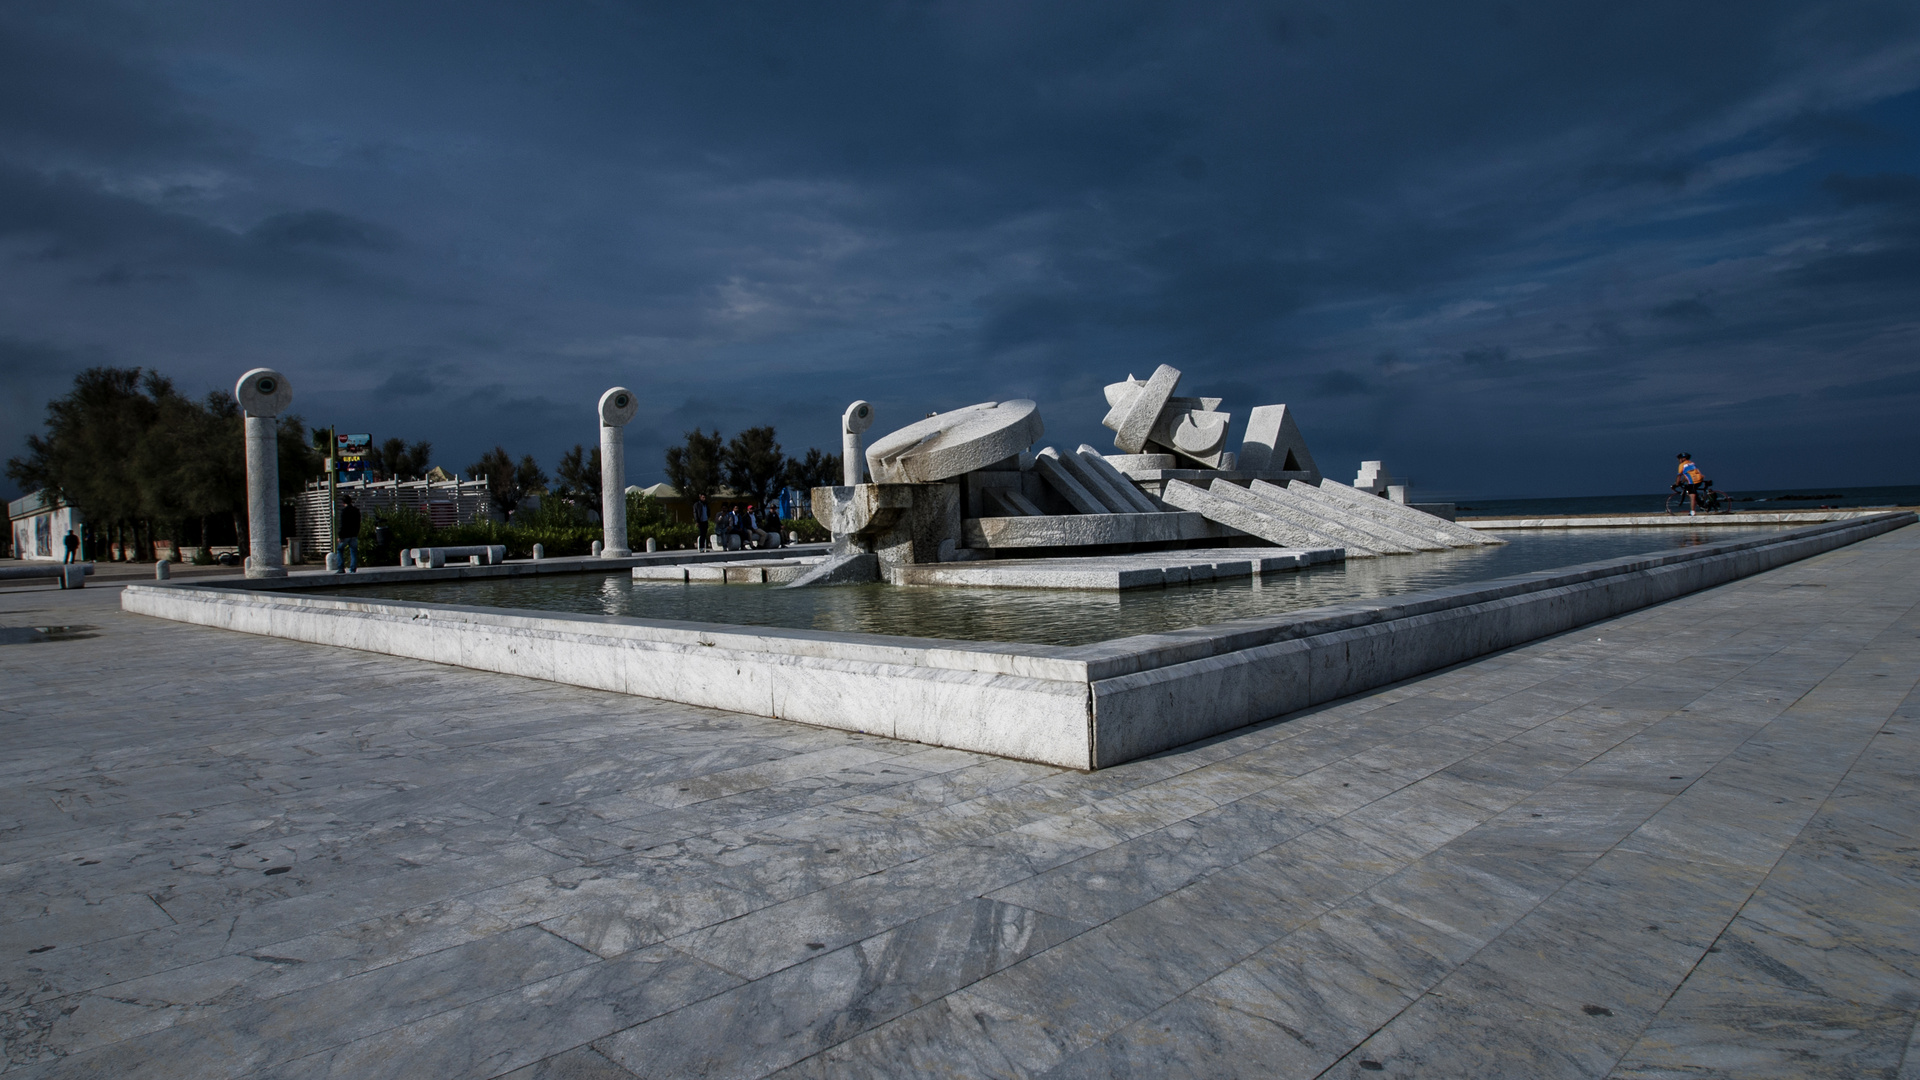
x=951 y=443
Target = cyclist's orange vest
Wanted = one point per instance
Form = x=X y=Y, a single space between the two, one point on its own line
x=1690 y=473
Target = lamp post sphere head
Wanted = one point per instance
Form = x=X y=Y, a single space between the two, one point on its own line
x=857 y=419
x=263 y=392
x=617 y=406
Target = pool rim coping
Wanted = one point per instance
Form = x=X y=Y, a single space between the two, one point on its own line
x=1032 y=703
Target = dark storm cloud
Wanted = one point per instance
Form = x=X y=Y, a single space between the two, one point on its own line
x=1444 y=230
x=322 y=229
x=1899 y=189
x=1685 y=310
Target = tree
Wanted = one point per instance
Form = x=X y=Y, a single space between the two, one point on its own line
x=695 y=468
x=87 y=457
x=400 y=461
x=817 y=469
x=579 y=475
x=754 y=464
x=212 y=464
x=506 y=482
x=128 y=451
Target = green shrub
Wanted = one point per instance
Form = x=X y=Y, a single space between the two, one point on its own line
x=810 y=530
x=559 y=527
x=667 y=537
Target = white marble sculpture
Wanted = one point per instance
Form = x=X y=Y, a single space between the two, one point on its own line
x=263 y=394
x=853 y=423
x=1144 y=414
x=1374 y=480
x=1273 y=443
x=950 y=444
x=617 y=406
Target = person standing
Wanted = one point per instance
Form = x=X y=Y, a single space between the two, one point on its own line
x=73 y=547
x=349 y=536
x=700 y=523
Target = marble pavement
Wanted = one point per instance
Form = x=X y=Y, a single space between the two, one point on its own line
x=1676 y=843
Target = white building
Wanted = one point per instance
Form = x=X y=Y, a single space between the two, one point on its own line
x=40 y=523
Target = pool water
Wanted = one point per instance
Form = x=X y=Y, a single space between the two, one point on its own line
x=1048 y=617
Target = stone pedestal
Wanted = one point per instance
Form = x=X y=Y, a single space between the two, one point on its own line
x=898 y=523
x=263 y=498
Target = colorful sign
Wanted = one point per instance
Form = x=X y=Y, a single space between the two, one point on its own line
x=350 y=450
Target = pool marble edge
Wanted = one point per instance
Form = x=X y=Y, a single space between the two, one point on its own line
x=1082 y=707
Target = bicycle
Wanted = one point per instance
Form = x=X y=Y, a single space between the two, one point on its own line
x=1705 y=500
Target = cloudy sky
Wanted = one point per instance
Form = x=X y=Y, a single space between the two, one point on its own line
x=1511 y=248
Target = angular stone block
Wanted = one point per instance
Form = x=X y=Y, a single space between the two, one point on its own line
x=1130 y=463
x=1273 y=443
x=1137 y=407
x=859 y=568
x=864 y=508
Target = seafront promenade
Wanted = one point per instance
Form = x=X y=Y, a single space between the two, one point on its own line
x=1675 y=843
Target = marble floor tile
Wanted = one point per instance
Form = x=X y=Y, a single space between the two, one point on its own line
x=1678 y=843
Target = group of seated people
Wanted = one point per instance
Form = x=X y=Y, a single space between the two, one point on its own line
x=736 y=527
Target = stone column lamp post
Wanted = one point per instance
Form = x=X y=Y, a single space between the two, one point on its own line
x=853 y=424
x=617 y=406
x=263 y=394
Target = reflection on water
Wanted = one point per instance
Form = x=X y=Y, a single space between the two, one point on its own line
x=1048 y=617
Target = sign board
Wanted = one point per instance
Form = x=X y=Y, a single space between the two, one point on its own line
x=352 y=449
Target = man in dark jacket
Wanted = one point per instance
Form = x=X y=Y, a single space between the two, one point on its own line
x=349 y=536
x=700 y=523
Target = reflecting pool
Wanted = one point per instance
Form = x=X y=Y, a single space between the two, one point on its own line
x=1049 y=617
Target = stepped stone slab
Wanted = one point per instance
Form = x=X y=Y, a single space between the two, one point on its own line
x=1423 y=534
x=1388 y=506
x=1337 y=530
x=1087 y=530
x=1112 y=498
x=1328 y=508
x=1048 y=464
x=1115 y=480
x=1251 y=520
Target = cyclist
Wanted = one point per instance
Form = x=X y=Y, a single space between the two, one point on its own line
x=1690 y=480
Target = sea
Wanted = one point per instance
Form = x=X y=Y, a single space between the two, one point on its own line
x=1829 y=498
